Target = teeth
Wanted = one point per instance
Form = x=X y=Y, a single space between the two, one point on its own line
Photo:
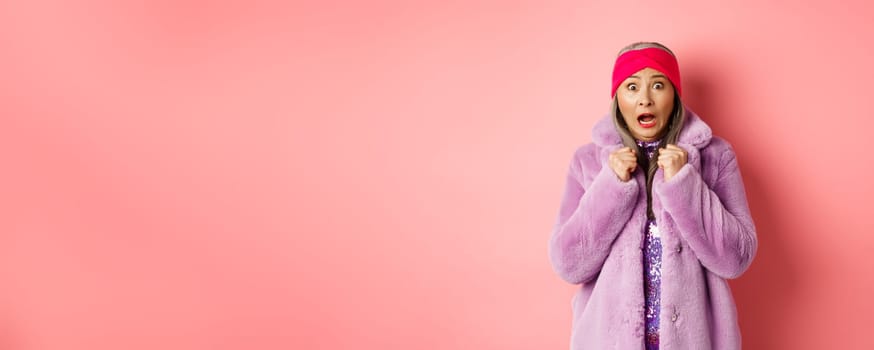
x=646 y=119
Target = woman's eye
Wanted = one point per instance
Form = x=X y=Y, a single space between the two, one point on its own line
x=632 y=86
x=658 y=85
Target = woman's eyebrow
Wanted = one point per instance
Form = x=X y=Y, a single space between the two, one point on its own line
x=654 y=76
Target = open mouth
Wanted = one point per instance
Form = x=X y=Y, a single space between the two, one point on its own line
x=646 y=120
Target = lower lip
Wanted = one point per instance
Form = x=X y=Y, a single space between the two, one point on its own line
x=647 y=126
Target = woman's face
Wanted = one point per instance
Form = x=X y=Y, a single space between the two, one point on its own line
x=646 y=100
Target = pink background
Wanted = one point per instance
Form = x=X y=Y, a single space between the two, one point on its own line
x=385 y=175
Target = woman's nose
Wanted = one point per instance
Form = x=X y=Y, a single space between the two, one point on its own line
x=645 y=100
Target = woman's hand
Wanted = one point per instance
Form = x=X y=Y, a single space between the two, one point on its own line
x=623 y=162
x=671 y=160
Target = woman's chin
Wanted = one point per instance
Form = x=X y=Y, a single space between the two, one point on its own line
x=644 y=134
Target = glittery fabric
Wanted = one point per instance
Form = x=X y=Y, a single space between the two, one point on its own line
x=652 y=268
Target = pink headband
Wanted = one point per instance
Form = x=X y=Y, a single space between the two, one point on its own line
x=633 y=61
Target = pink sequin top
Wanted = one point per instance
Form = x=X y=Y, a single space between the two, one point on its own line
x=652 y=267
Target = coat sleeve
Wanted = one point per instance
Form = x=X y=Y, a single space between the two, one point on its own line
x=589 y=220
x=715 y=221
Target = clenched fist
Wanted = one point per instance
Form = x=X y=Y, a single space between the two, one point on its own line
x=671 y=160
x=623 y=162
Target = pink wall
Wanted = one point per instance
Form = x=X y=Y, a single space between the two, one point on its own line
x=259 y=175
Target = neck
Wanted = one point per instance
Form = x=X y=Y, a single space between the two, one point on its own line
x=644 y=143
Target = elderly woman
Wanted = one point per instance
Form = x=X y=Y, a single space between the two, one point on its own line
x=653 y=220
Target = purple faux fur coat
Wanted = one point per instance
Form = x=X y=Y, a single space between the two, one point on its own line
x=707 y=236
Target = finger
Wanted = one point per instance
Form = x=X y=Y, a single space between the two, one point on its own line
x=627 y=158
x=668 y=157
x=624 y=149
x=673 y=156
x=666 y=163
x=672 y=153
x=671 y=150
x=623 y=163
x=678 y=149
